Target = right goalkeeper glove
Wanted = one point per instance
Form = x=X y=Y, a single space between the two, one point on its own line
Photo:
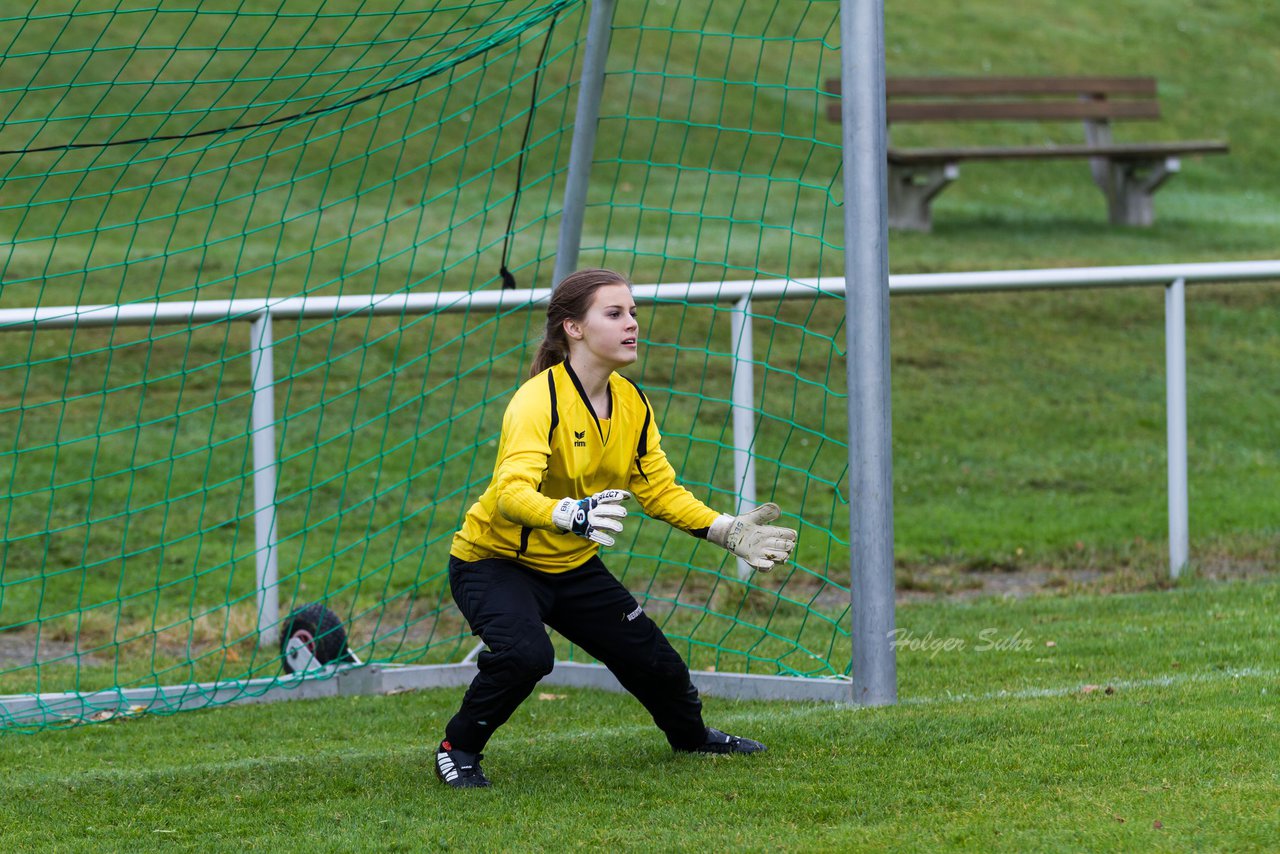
x=587 y=516
x=760 y=545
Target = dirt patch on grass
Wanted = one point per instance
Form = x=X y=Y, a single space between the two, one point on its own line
x=946 y=583
x=933 y=582
x=27 y=649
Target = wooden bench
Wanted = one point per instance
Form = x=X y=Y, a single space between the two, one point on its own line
x=1128 y=173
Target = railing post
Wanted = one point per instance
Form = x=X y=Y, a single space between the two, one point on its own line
x=744 y=416
x=262 y=427
x=1175 y=349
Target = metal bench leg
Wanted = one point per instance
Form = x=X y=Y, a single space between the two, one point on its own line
x=1130 y=188
x=911 y=190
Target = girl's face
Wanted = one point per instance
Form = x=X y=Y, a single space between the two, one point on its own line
x=608 y=333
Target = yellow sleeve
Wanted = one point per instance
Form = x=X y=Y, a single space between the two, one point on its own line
x=653 y=483
x=523 y=454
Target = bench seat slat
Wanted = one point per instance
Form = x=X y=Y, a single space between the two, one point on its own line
x=957 y=87
x=976 y=111
x=1115 y=151
x=908 y=87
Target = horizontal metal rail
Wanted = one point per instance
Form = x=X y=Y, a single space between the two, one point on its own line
x=291 y=308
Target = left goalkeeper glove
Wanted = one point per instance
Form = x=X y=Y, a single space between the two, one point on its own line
x=592 y=517
x=760 y=545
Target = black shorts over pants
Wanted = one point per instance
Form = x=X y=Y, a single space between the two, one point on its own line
x=506 y=605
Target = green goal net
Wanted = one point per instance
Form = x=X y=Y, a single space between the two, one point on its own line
x=371 y=175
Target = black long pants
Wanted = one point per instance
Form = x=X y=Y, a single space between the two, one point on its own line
x=506 y=605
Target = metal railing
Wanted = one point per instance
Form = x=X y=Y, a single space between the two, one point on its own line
x=260 y=313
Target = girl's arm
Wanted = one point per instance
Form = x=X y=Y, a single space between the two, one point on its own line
x=749 y=536
x=524 y=451
x=654 y=484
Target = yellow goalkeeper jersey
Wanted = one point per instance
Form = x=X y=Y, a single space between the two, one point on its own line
x=554 y=446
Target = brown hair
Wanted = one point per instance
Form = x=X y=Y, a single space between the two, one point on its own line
x=570 y=301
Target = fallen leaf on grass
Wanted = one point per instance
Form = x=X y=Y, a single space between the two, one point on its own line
x=111 y=714
x=1089 y=689
x=1157 y=824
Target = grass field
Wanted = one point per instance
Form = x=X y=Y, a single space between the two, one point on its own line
x=1028 y=428
x=1135 y=721
x=1110 y=709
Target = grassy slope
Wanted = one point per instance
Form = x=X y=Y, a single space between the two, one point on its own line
x=1050 y=215
x=996 y=216
x=1028 y=428
x=1043 y=414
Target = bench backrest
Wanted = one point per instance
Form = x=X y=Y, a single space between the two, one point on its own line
x=950 y=99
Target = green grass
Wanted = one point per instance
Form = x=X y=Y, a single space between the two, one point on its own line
x=1028 y=428
x=1042 y=418
x=1028 y=439
x=1137 y=721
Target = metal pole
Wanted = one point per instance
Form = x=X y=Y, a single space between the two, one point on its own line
x=866 y=239
x=582 y=148
x=262 y=426
x=1175 y=355
x=744 y=417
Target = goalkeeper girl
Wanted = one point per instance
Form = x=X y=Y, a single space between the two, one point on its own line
x=578 y=443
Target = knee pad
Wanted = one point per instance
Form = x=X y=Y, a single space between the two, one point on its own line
x=667 y=663
x=521 y=650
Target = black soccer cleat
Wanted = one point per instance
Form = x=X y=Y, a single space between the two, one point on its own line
x=721 y=742
x=459 y=769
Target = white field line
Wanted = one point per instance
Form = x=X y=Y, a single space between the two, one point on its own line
x=1171 y=680
x=801 y=709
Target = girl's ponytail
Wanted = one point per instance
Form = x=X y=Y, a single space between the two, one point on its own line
x=552 y=350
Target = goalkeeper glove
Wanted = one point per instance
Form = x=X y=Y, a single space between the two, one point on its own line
x=760 y=545
x=586 y=517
